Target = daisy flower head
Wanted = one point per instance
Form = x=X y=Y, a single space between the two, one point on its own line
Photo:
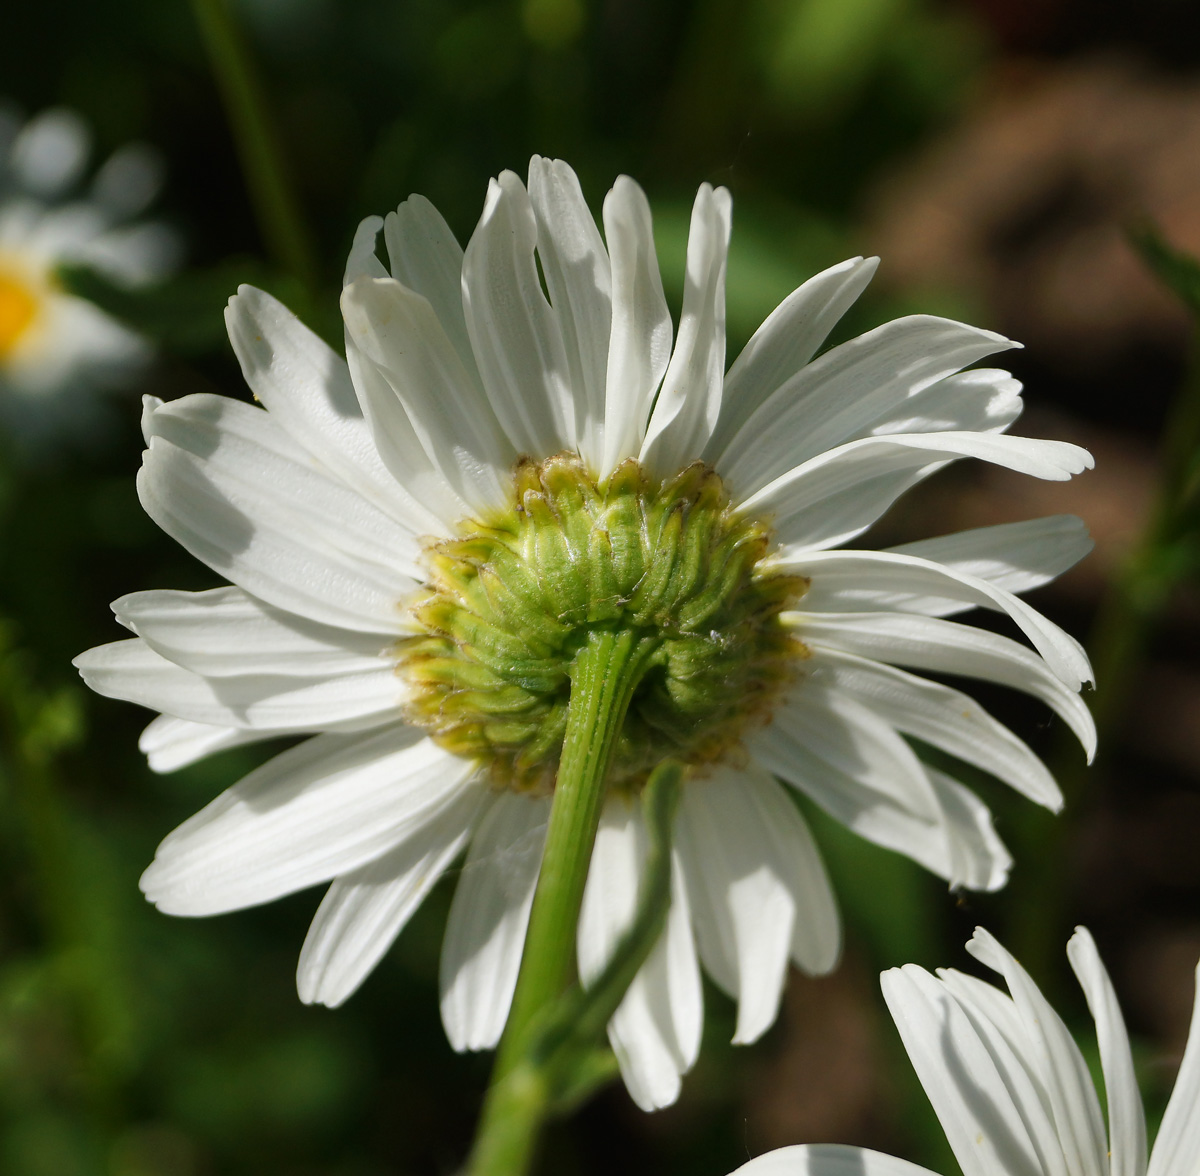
x=422 y=537
x=1009 y=1084
x=51 y=341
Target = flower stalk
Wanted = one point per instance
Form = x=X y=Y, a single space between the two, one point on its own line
x=606 y=672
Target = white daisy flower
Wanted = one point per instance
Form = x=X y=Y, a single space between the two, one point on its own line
x=51 y=340
x=1010 y=1086
x=419 y=537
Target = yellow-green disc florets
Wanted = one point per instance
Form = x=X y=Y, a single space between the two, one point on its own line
x=511 y=601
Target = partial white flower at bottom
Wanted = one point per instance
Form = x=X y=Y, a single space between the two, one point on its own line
x=419 y=537
x=1010 y=1086
x=50 y=340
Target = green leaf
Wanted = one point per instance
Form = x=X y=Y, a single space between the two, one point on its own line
x=1178 y=271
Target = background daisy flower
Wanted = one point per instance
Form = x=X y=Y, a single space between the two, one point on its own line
x=513 y=453
x=50 y=340
x=1011 y=1088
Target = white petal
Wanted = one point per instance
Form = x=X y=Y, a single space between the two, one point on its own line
x=400 y=448
x=169 y=744
x=306 y=388
x=847 y=391
x=363 y=261
x=229 y=485
x=868 y=580
x=485 y=933
x=515 y=333
x=1126 y=1119
x=828 y=1159
x=50 y=152
x=132 y=671
x=757 y=889
x=425 y=256
x=838 y=494
x=640 y=346
x=1178 y=1141
x=689 y=401
x=576 y=267
x=224 y=632
x=981 y=400
x=858 y=770
x=948 y=647
x=979 y=860
x=364 y=910
x=997 y=1022
x=328 y=806
x=970 y=1095
x=1053 y=1051
x=398 y=331
x=655 y=1031
x=1017 y=557
x=945 y=718
x=786 y=341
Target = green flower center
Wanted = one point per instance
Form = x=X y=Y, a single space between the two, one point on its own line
x=510 y=602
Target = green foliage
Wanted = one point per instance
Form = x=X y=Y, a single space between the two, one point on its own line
x=1178 y=271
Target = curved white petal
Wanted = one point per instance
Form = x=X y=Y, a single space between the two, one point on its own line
x=883 y=580
x=397 y=330
x=515 y=332
x=941 y=716
x=579 y=280
x=132 y=671
x=757 y=889
x=838 y=494
x=828 y=1159
x=689 y=401
x=997 y=1022
x=400 y=447
x=851 y=762
x=1017 y=557
x=1052 y=1052
x=485 y=933
x=655 y=1032
x=228 y=484
x=306 y=388
x=363 y=261
x=1126 y=1118
x=980 y=400
x=425 y=256
x=223 y=632
x=640 y=344
x=786 y=341
x=948 y=647
x=1178 y=1141
x=845 y=392
x=978 y=1094
x=328 y=806
x=170 y=744
x=978 y=859
x=364 y=910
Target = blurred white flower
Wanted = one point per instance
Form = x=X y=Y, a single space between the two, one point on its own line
x=418 y=540
x=50 y=340
x=1011 y=1088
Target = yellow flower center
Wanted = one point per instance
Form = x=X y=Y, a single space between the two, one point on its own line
x=511 y=601
x=18 y=309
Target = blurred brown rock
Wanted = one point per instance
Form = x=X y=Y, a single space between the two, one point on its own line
x=1026 y=203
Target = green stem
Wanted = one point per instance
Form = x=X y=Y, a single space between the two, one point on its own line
x=604 y=676
x=275 y=205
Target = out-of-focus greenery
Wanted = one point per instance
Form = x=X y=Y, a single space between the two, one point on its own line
x=136 y=1045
